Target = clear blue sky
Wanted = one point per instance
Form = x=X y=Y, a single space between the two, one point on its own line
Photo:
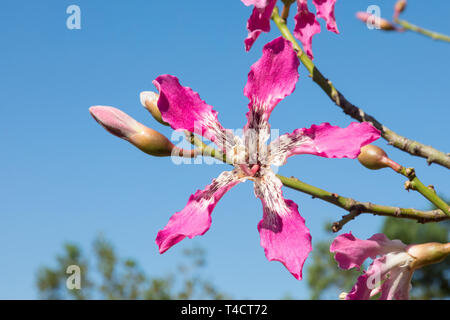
x=63 y=178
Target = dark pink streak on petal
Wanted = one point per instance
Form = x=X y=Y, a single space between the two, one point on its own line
x=195 y=218
x=259 y=20
x=306 y=26
x=284 y=235
x=351 y=252
x=270 y=80
x=325 y=10
x=182 y=108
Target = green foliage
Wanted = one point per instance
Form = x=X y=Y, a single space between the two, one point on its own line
x=115 y=278
x=324 y=276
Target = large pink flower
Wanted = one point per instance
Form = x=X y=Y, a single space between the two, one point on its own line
x=284 y=235
x=306 y=24
x=390 y=273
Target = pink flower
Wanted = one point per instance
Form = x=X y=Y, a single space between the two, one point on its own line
x=306 y=24
x=284 y=235
x=390 y=273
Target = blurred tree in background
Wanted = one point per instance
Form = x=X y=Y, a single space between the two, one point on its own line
x=115 y=278
x=431 y=282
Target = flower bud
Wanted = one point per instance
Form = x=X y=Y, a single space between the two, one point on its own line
x=125 y=127
x=399 y=7
x=374 y=158
x=149 y=100
x=383 y=24
x=428 y=253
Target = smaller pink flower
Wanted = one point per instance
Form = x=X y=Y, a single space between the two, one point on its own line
x=390 y=273
x=306 y=24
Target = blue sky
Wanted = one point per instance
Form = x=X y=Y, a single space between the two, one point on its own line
x=63 y=178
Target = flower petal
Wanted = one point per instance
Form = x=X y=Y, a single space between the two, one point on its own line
x=182 y=108
x=324 y=140
x=306 y=26
x=259 y=20
x=195 y=218
x=325 y=10
x=270 y=80
x=351 y=252
x=284 y=235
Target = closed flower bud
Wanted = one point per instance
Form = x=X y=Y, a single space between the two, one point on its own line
x=125 y=127
x=428 y=253
x=378 y=22
x=149 y=100
x=399 y=7
x=374 y=158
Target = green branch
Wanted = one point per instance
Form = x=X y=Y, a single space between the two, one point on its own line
x=412 y=147
x=204 y=149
